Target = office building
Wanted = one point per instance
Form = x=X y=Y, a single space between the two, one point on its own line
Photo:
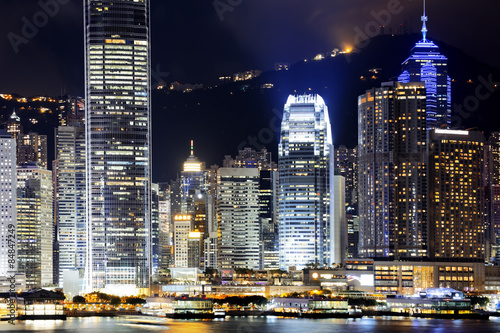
x=426 y=64
x=32 y=147
x=346 y=162
x=118 y=163
x=182 y=229
x=338 y=233
x=69 y=200
x=239 y=241
x=305 y=169
x=35 y=224
x=14 y=126
x=8 y=212
x=192 y=182
x=268 y=200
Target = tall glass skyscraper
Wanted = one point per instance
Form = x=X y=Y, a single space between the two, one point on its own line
x=70 y=199
x=117 y=57
x=305 y=170
x=426 y=64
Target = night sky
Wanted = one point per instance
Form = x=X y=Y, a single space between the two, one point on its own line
x=193 y=44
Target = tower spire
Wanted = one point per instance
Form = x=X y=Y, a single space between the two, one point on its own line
x=192 y=147
x=424 y=25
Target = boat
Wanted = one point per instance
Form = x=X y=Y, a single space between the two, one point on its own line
x=219 y=313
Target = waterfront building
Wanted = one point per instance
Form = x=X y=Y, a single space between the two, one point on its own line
x=392 y=171
x=268 y=200
x=305 y=171
x=117 y=120
x=456 y=215
x=239 y=241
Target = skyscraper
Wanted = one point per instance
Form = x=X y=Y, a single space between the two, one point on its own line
x=456 y=216
x=192 y=182
x=392 y=171
x=492 y=199
x=8 y=213
x=346 y=161
x=34 y=224
x=238 y=218
x=426 y=64
x=32 y=147
x=376 y=172
x=117 y=119
x=305 y=170
x=268 y=200
x=70 y=199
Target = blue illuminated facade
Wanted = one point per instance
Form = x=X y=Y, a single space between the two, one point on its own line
x=426 y=64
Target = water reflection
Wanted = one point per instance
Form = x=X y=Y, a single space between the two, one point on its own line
x=255 y=325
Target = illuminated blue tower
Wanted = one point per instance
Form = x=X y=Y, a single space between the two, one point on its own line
x=427 y=65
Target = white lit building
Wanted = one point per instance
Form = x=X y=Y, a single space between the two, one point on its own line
x=239 y=243
x=118 y=137
x=70 y=200
x=305 y=170
x=8 y=213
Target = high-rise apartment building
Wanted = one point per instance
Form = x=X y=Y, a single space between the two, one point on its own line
x=392 y=171
x=8 y=212
x=456 y=216
x=118 y=168
x=70 y=200
x=35 y=224
x=305 y=170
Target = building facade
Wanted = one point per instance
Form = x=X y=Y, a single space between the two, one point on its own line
x=457 y=228
x=426 y=64
x=35 y=224
x=239 y=234
x=8 y=212
x=118 y=168
x=392 y=171
x=305 y=170
x=69 y=200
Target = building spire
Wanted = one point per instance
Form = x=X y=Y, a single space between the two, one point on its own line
x=192 y=147
x=424 y=25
